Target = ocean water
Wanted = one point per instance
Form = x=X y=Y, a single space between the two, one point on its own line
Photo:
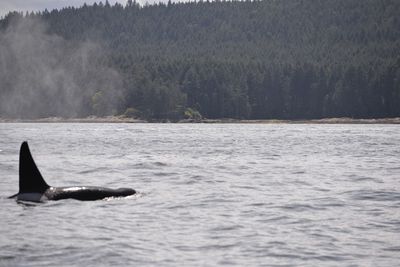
x=209 y=195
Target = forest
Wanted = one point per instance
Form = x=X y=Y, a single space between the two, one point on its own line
x=271 y=59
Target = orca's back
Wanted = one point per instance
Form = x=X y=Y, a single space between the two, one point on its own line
x=87 y=193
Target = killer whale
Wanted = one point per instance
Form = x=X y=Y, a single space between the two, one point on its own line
x=32 y=186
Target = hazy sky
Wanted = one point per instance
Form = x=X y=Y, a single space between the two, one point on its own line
x=36 y=5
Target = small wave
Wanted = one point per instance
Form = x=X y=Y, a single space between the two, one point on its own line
x=226 y=228
x=245 y=187
x=375 y=195
x=92 y=170
x=149 y=165
x=298 y=172
x=284 y=255
x=7 y=258
x=276 y=243
x=329 y=202
x=220 y=246
x=336 y=204
x=258 y=204
x=394 y=249
x=321 y=189
x=331 y=258
x=273 y=219
x=159 y=163
x=301 y=182
x=162 y=174
x=194 y=179
x=324 y=236
x=300 y=207
x=366 y=179
x=28 y=204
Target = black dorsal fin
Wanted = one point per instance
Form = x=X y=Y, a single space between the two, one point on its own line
x=30 y=179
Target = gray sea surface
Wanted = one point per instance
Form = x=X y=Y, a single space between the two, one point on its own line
x=209 y=195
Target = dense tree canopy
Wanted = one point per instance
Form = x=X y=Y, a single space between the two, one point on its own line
x=271 y=59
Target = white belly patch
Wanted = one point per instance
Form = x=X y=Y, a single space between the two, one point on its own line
x=36 y=197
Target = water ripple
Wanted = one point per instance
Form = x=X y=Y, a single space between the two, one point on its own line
x=375 y=195
x=208 y=195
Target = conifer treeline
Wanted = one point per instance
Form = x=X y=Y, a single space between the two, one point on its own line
x=271 y=59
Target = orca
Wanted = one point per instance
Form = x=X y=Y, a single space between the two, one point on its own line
x=32 y=186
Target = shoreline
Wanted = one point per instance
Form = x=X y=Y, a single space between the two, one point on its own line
x=120 y=119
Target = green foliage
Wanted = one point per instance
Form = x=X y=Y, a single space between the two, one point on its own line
x=192 y=114
x=132 y=113
x=298 y=59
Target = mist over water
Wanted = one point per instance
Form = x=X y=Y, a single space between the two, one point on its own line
x=209 y=195
x=43 y=75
